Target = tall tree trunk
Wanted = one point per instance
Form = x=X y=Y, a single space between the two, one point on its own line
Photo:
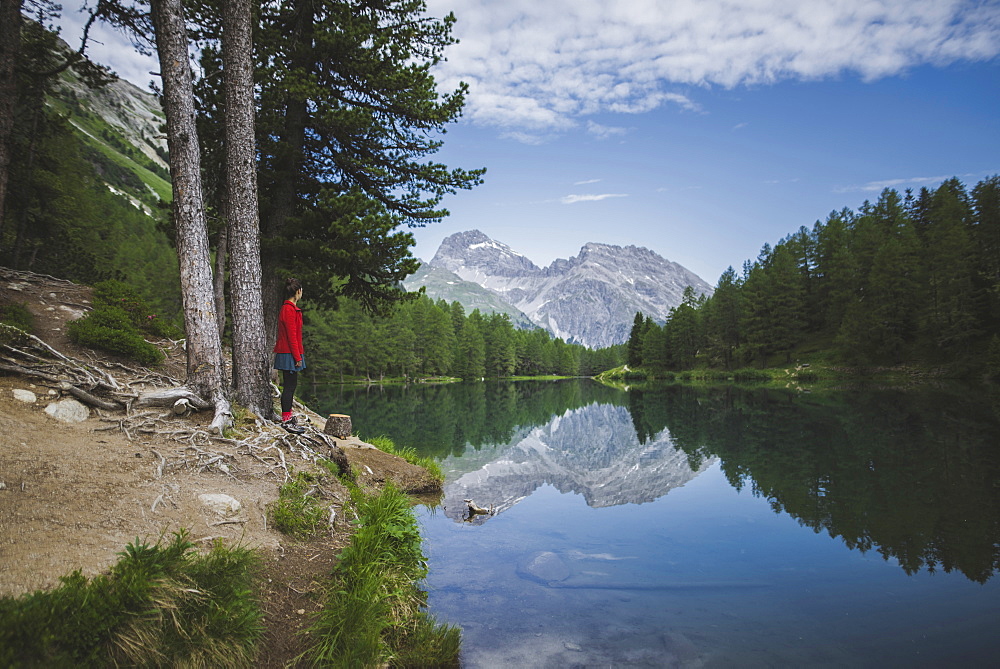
x=204 y=348
x=10 y=44
x=250 y=363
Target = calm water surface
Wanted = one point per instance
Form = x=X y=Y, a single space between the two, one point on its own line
x=676 y=527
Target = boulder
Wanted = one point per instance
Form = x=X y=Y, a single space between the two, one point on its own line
x=68 y=411
x=25 y=396
x=223 y=505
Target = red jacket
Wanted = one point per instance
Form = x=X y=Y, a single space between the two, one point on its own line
x=290 y=331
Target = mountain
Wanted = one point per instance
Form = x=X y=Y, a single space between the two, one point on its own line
x=122 y=126
x=442 y=284
x=590 y=299
x=89 y=180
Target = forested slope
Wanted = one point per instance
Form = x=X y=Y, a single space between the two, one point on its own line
x=911 y=278
x=87 y=178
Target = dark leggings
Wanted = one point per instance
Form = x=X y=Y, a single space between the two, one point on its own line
x=288 y=382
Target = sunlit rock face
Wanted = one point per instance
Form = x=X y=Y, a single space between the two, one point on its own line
x=590 y=299
x=591 y=451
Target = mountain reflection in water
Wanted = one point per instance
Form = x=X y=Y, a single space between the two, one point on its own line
x=913 y=475
x=674 y=526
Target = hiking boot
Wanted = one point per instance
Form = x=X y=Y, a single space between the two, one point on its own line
x=290 y=426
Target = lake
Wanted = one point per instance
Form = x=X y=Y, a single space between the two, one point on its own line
x=689 y=527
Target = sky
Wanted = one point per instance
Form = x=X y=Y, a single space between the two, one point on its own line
x=699 y=129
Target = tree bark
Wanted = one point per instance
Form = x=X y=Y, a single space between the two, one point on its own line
x=204 y=348
x=221 y=258
x=250 y=363
x=338 y=425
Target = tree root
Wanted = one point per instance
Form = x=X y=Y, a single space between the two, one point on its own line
x=153 y=412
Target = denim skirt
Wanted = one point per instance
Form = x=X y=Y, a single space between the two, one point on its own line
x=286 y=363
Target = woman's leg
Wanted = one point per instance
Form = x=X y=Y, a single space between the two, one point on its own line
x=288 y=382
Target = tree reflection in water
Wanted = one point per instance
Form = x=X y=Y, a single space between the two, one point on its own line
x=913 y=475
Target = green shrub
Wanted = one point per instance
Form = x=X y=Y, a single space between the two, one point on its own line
x=161 y=605
x=88 y=331
x=123 y=296
x=17 y=315
x=117 y=322
x=751 y=376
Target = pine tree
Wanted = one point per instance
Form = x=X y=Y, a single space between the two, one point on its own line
x=501 y=351
x=986 y=237
x=723 y=313
x=471 y=364
x=349 y=108
x=634 y=346
x=204 y=348
x=251 y=371
x=950 y=316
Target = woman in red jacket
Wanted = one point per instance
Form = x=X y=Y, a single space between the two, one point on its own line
x=288 y=352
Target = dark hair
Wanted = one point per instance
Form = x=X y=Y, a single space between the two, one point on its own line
x=292 y=286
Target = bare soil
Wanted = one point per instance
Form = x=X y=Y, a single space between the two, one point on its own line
x=74 y=495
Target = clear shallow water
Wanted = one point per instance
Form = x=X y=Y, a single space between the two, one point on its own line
x=709 y=529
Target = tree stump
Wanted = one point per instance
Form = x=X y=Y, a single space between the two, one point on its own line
x=338 y=425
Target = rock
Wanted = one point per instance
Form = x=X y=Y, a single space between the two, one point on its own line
x=68 y=411
x=545 y=567
x=25 y=396
x=224 y=505
x=73 y=314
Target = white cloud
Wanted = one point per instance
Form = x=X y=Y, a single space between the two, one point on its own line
x=573 y=199
x=604 y=131
x=109 y=46
x=588 y=181
x=549 y=64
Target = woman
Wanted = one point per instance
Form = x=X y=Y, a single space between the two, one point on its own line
x=288 y=352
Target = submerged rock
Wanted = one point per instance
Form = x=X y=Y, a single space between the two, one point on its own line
x=545 y=567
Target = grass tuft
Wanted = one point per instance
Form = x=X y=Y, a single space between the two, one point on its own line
x=297 y=511
x=374 y=614
x=159 y=605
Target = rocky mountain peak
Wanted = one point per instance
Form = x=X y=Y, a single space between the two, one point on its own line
x=590 y=298
x=474 y=249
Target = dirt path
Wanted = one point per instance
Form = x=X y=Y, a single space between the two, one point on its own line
x=73 y=495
